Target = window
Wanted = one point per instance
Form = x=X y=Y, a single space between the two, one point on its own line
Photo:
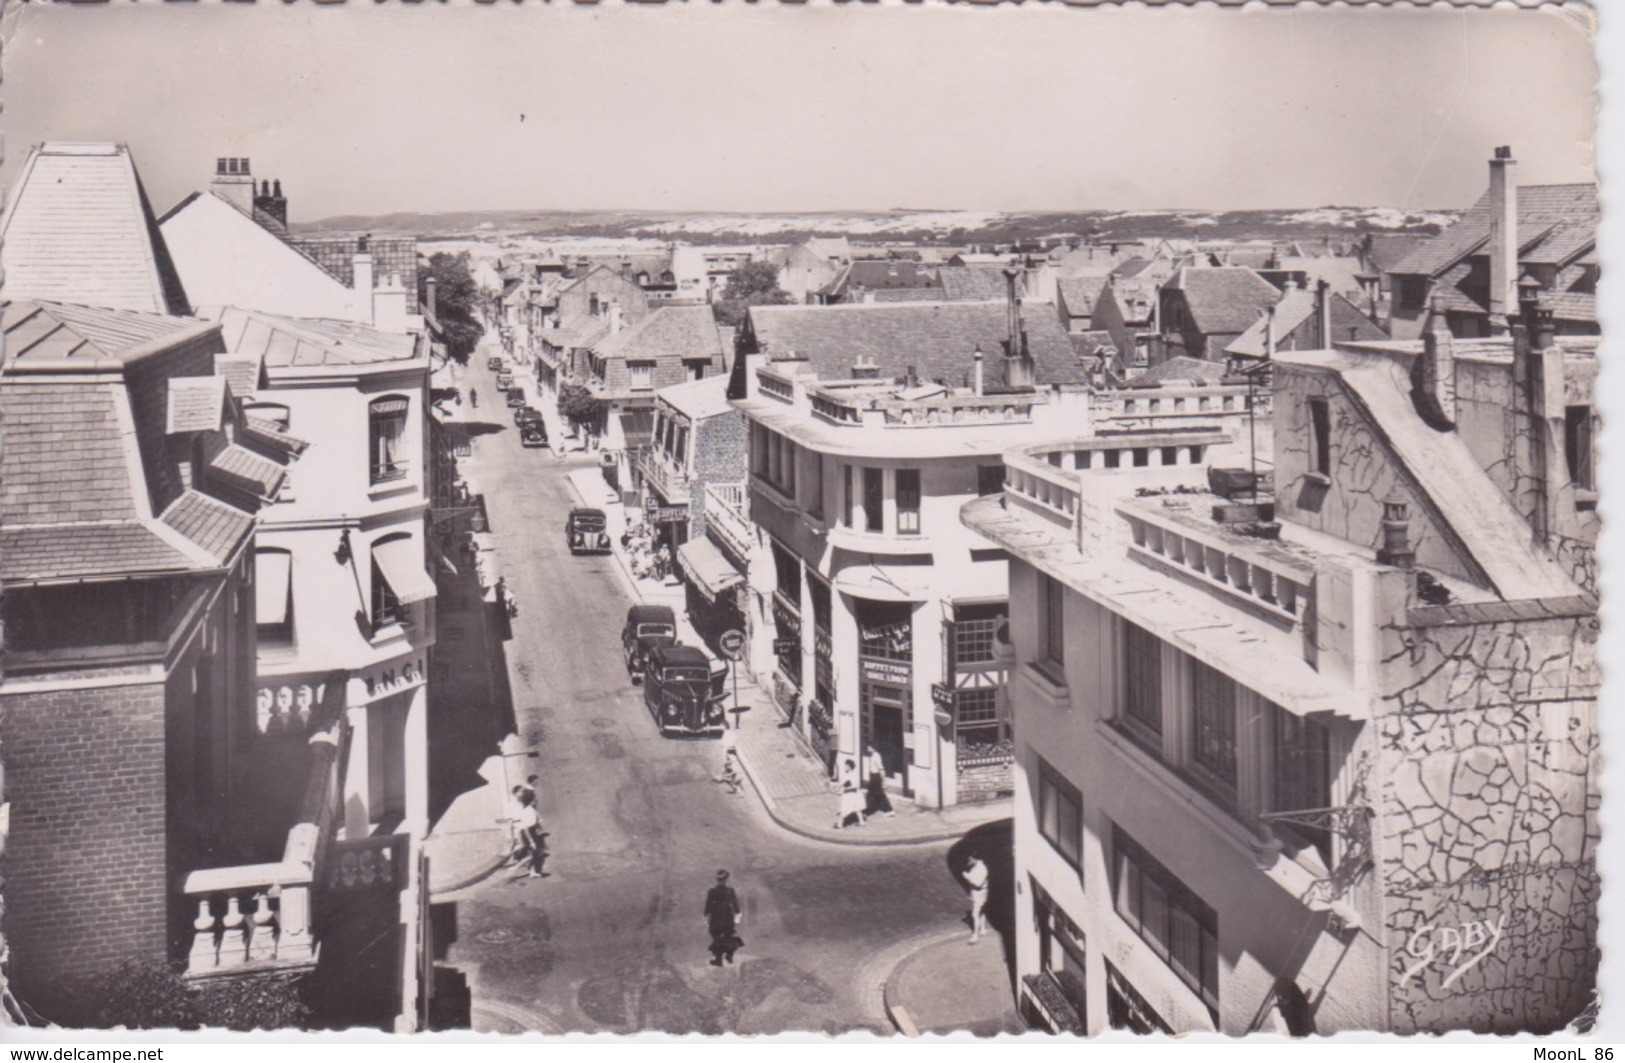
x=642 y=375
x=1412 y=292
x=1060 y=813
x=989 y=480
x=273 y=596
x=815 y=503
x=874 y=497
x=386 y=419
x=978 y=710
x=1320 y=424
x=275 y=413
x=696 y=370
x=1060 y=947
x=974 y=627
x=386 y=604
x=848 y=496
x=1213 y=729
x=1303 y=775
x=1577 y=446
x=1052 y=626
x=908 y=501
x=1142 y=685
x=1168 y=916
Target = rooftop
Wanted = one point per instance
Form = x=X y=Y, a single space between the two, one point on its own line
x=1223 y=299
x=98 y=338
x=284 y=342
x=698 y=399
x=1555 y=224
x=670 y=332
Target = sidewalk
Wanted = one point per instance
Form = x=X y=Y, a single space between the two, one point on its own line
x=951 y=986
x=790 y=781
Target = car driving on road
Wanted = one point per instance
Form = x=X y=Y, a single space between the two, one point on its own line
x=683 y=691
x=586 y=530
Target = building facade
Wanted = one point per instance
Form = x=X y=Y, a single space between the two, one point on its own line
x=1333 y=770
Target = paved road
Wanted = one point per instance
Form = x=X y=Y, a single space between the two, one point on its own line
x=614 y=940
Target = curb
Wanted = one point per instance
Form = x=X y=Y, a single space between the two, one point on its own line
x=469 y=878
x=895 y=1011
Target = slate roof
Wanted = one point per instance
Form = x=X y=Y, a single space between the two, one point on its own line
x=281 y=342
x=885 y=273
x=1131 y=267
x=1079 y=294
x=1553 y=220
x=1223 y=299
x=241 y=371
x=64 y=457
x=211 y=524
x=976 y=282
x=578 y=330
x=86 y=551
x=336 y=255
x=266 y=433
x=670 y=333
x=245 y=470
x=1182 y=369
x=936 y=338
x=1384 y=251
x=79 y=228
x=38 y=331
x=1126 y=292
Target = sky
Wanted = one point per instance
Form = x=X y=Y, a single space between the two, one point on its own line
x=365 y=109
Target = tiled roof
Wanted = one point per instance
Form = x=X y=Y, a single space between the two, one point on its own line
x=1224 y=299
x=80 y=229
x=211 y=524
x=976 y=282
x=196 y=404
x=1384 y=251
x=336 y=255
x=64 y=457
x=578 y=330
x=245 y=470
x=1080 y=294
x=936 y=338
x=1552 y=220
x=1136 y=300
x=1131 y=267
x=38 y=331
x=905 y=295
x=280 y=342
x=1297 y=306
x=1571 y=306
x=671 y=332
x=87 y=551
x=1181 y=368
x=890 y=274
x=259 y=430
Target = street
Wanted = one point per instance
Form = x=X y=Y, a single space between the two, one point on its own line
x=614 y=940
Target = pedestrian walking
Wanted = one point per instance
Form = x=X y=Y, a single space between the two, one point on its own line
x=518 y=837
x=722 y=918
x=874 y=770
x=473 y=398
x=851 y=806
x=975 y=875
x=730 y=776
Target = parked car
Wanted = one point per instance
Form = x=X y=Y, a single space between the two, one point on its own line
x=504 y=380
x=587 y=530
x=524 y=413
x=495 y=362
x=533 y=434
x=683 y=690
x=516 y=398
x=648 y=627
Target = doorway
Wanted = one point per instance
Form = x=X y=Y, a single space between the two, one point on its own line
x=885 y=721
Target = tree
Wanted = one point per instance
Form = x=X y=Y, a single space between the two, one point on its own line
x=753 y=284
x=457 y=301
x=577 y=405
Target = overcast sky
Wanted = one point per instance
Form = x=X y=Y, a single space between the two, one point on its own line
x=375 y=109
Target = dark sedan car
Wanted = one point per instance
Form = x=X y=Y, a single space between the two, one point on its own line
x=586 y=530
x=647 y=628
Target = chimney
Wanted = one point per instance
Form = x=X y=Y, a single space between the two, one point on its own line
x=389 y=306
x=361 y=282
x=1396 y=547
x=911 y=377
x=1438 y=367
x=1018 y=362
x=865 y=368
x=1323 y=313
x=270 y=202
x=1503 y=240
x=428 y=296
x=615 y=319
x=234 y=183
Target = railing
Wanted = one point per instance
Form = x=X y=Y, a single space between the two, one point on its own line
x=827 y=409
x=259 y=916
x=725 y=510
x=386 y=471
x=1249 y=570
x=671 y=481
x=1051 y=492
x=968 y=409
x=776 y=386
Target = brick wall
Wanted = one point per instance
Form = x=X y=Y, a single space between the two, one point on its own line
x=86 y=866
x=986 y=782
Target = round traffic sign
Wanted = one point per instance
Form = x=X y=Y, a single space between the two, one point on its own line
x=732 y=643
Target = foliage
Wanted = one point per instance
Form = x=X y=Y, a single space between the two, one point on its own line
x=577 y=405
x=753 y=284
x=457 y=300
x=154 y=996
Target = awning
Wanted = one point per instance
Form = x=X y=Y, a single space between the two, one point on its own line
x=637 y=428
x=273 y=570
x=707 y=569
x=401 y=563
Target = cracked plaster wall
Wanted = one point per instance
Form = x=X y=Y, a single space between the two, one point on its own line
x=1487 y=822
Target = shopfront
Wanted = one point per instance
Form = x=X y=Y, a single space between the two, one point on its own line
x=886 y=684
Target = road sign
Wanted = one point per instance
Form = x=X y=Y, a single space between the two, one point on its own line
x=732 y=644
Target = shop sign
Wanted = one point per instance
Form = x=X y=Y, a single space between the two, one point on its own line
x=942 y=696
x=879 y=671
x=785 y=645
x=667 y=514
x=823 y=647
x=393 y=679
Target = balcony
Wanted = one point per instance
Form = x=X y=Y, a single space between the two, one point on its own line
x=727 y=517
x=960 y=410
x=667 y=478
x=259 y=916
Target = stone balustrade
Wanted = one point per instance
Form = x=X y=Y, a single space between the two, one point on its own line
x=725 y=515
x=960 y=410
x=258 y=916
x=669 y=480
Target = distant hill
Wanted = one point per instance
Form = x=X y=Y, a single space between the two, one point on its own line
x=947 y=226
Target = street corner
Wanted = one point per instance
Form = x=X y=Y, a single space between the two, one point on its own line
x=950 y=984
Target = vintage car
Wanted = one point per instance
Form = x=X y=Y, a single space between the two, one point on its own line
x=648 y=627
x=504 y=380
x=496 y=363
x=683 y=690
x=586 y=531
x=532 y=434
x=525 y=412
x=516 y=398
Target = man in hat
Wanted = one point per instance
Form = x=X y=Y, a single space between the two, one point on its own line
x=722 y=917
